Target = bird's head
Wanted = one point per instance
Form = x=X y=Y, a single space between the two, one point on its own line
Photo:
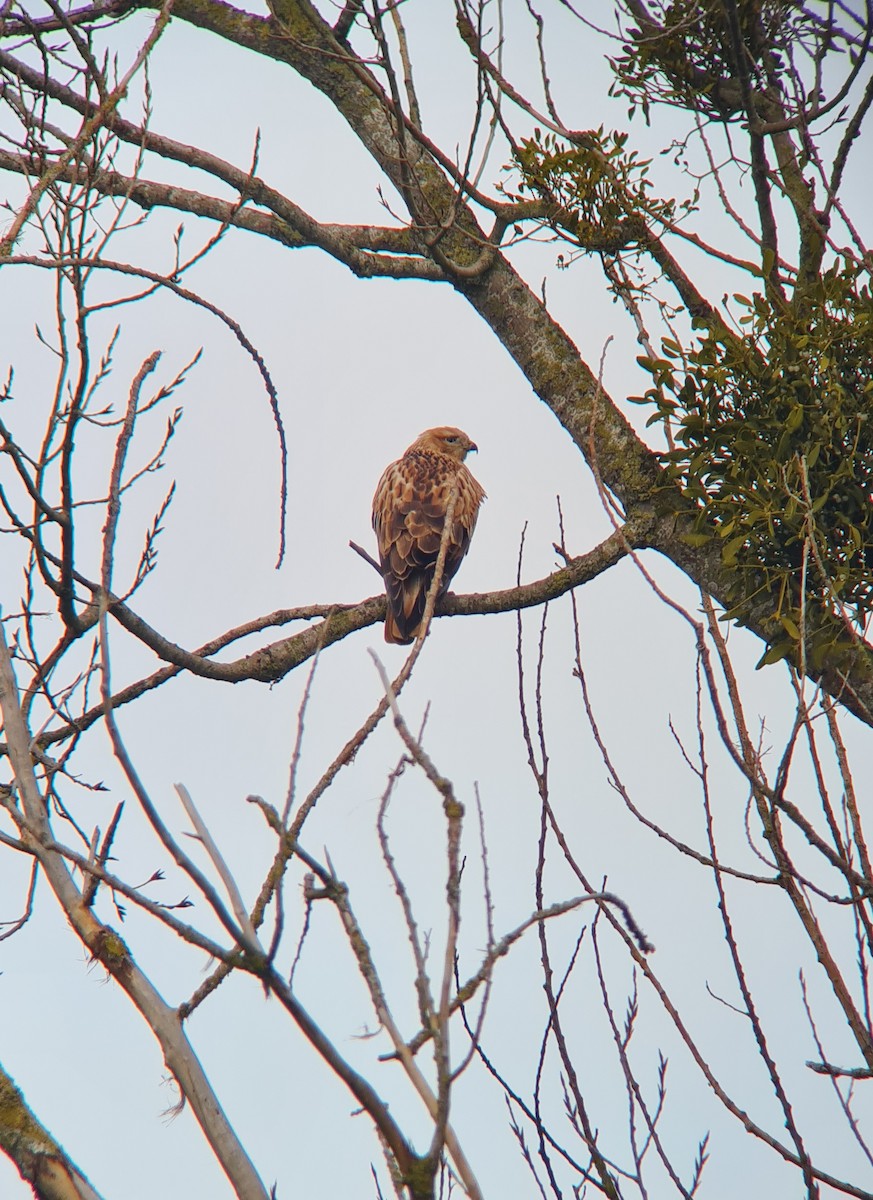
x=445 y=440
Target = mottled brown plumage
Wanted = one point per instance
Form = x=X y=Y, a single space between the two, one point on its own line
x=409 y=512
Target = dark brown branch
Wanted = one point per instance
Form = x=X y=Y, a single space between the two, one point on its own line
x=368 y=558
x=368 y=251
x=276 y=660
x=299 y=37
x=822 y=1068
x=760 y=168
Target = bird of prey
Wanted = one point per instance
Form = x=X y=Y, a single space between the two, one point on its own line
x=409 y=514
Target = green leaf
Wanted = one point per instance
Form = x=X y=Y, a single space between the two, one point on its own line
x=775 y=654
x=790 y=628
x=795 y=418
x=696 y=539
x=731 y=549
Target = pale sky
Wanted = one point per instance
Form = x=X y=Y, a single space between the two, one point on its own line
x=361 y=368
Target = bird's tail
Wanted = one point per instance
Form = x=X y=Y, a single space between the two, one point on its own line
x=407 y=599
x=393 y=633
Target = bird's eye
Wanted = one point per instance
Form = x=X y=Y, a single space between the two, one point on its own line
x=451 y=438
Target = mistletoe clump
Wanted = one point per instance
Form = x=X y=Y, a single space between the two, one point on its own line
x=692 y=53
x=772 y=436
x=591 y=190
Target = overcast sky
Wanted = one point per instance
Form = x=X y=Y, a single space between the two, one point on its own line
x=361 y=368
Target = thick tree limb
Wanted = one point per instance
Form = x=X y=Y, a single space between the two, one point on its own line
x=369 y=251
x=447 y=230
x=335 y=622
x=107 y=947
x=39 y=1159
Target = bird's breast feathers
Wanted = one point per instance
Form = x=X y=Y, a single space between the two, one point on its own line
x=413 y=496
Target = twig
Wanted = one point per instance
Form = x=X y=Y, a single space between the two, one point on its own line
x=236 y=901
x=365 y=556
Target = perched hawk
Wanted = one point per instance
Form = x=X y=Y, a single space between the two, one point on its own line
x=409 y=511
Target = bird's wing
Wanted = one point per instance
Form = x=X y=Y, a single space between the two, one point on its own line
x=409 y=511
